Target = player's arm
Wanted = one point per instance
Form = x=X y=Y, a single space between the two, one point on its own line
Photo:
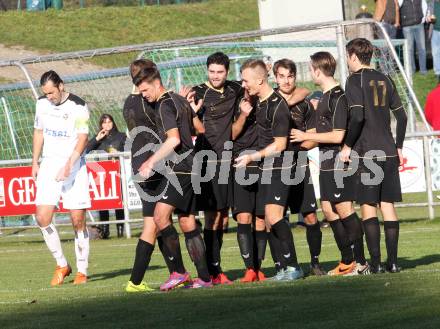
x=37 y=146
x=198 y=126
x=335 y=136
x=238 y=124
x=167 y=119
x=297 y=96
x=310 y=122
x=309 y=144
x=280 y=132
x=37 y=142
x=401 y=119
x=355 y=99
x=82 y=130
x=380 y=10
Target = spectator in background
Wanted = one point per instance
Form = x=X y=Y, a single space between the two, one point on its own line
x=108 y=140
x=433 y=12
x=412 y=18
x=387 y=13
x=432 y=108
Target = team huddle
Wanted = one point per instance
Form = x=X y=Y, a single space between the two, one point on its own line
x=249 y=156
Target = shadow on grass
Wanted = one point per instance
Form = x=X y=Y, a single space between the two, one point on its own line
x=406 y=263
x=369 y=301
x=116 y=273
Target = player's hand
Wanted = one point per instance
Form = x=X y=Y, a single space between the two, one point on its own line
x=242 y=161
x=101 y=134
x=146 y=170
x=64 y=172
x=399 y=152
x=245 y=107
x=185 y=91
x=344 y=155
x=191 y=98
x=35 y=169
x=297 y=136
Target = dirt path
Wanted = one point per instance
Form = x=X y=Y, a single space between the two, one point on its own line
x=10 y=74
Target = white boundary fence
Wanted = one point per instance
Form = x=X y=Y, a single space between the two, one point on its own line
x=338 y=29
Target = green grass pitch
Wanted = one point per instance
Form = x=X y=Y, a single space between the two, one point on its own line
x=410 y=299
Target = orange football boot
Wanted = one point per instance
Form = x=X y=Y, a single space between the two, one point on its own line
x=80 y=278
x=60 y=274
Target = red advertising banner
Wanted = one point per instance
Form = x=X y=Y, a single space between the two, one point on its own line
x=18 y=189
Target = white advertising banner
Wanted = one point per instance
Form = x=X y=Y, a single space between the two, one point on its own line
x=134 y=201
x=412 y=173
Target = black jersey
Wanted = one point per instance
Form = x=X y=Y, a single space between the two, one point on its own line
x=248 y=138
x=173 y=111
x=273 y=120
x=375 y=94
x=217 y=114
x=140 y=114
x=302 y=117
x=332 y=114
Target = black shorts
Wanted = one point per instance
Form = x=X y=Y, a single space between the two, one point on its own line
x=149 y=192
x=182 y=200
x=387 y=189
x=275 y=192
x=335 y=187
x=302 y=196
x=214 y=193
x=244 y=195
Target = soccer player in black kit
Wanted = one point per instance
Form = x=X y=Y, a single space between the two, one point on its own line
x=173 y=159
x=337 y=182
x=273 y=126
x=219 y=97
x=302 y=195
x=372 y=96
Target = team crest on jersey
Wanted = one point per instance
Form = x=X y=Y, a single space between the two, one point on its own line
x=65 y=116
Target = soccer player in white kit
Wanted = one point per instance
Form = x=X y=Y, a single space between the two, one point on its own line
x=60 y=134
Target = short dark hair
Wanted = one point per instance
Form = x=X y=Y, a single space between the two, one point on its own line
x=324 y=61
x=218 y=58
x=139 y=64
x=148 y=74
x=362 y=48
x=50 y=76
x=104 y=117
x=286 y=64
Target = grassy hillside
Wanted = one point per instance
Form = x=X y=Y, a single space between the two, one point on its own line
x=68 y=30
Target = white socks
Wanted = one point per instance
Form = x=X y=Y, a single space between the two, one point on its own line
x=82 y=248
x=52 y=239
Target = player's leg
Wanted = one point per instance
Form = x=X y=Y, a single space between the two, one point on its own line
x=274 y=215
x=391 y=192
x=391 y=228
x=144 y=250
x=353 y=227
x=196 y=250
x=370 y=223
x=82 y=244
x=245 y=241
x=47 y=196
x=347 y=263
x=314 y=240
x=120 y=215
x=104 y=216
x=260 y=243
x=44 y=216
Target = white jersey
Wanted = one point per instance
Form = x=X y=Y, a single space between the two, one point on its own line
x=61 y=125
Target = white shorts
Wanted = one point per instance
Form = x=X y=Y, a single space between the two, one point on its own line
x=72 y=192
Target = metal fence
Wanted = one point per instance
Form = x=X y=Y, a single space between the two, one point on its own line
x=100 y=76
